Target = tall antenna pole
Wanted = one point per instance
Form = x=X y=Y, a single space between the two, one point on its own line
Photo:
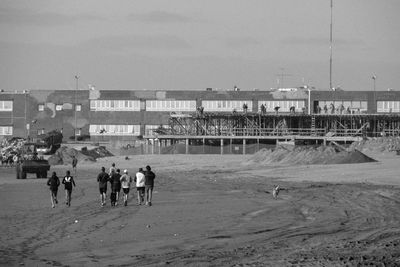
x=76 y=89
x=330 y=48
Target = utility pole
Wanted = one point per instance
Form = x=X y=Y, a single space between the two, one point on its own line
x=374 y=104
x=330 y=48
x=76 y=90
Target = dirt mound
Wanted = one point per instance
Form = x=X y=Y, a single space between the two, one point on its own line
x=64 y=155
x=308 y=155
x=381 y=144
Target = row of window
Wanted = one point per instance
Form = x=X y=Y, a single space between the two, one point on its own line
x=170 y=105
x=213 y=105
x=388 y=106
x=115 y=105
x=6 y=105
x=226 y=105
x=112 y=129
x=353 y=105
x=284 y=105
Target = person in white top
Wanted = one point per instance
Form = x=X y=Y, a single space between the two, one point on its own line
x=139 y=180
x=126 y=181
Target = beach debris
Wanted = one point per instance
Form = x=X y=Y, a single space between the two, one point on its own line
x=76 y=221
x=275 y=191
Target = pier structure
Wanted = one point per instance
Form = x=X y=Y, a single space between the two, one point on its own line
x=247 y=128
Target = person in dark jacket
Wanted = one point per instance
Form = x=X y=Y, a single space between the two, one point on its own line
x=68 y=181
x=103 y=179
x=149 y=184
x=116 y=185
x=53 y=182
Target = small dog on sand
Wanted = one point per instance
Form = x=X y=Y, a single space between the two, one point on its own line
x=275 y=191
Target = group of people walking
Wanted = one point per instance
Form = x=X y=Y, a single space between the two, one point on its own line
x=54 y=182
x=143 y=179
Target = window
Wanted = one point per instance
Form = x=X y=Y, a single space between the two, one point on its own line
x=6 y=130
x=114 y=130
x=59 y=107
x=226 y=105
x=171 y=105
x=40 y=131
x=115 y=105
x=40 y=107
x=6 y=105
x=78 y=107
x=388 y=106
x=150 y=129
x=284 y=106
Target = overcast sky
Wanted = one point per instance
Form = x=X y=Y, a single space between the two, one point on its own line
x=194 y=44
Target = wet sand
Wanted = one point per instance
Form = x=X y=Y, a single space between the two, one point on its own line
x=209 y=210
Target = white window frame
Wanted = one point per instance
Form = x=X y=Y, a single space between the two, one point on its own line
x=115 y=105
x=171 y=105
x=6 y=130
x=388 y=106
x=6 y=105
x=40 y=107
x=114 y=130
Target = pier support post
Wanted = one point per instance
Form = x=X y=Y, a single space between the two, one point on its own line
x=187 y=146
x=204 y=145
x=222 y=146
x=244 y=146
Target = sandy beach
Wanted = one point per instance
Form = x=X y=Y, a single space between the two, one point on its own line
x=209 y=210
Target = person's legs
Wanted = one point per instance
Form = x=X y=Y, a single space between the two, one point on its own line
x=55 y=196
x=150 y=195
x=66 y=197
x=52 y=199
x=117 y=195
x=69 y=197
x=138 y=197
x=105 y=195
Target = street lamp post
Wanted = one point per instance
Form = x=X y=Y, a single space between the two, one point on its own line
x=309 y=101
x=375 y=105
x=76 y=90
x=374 y=79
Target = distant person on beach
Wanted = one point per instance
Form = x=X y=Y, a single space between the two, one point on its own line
x=53 y=182
x=126 y=181
x=149 y=184
x=115 y=187
x=68 y=181
x=112 y=169
x=102 y=179
x=74 y=163
x=140 y=186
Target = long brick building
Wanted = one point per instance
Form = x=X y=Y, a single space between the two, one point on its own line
x=127 y=114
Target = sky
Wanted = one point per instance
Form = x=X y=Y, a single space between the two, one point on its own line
x=198 y=44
